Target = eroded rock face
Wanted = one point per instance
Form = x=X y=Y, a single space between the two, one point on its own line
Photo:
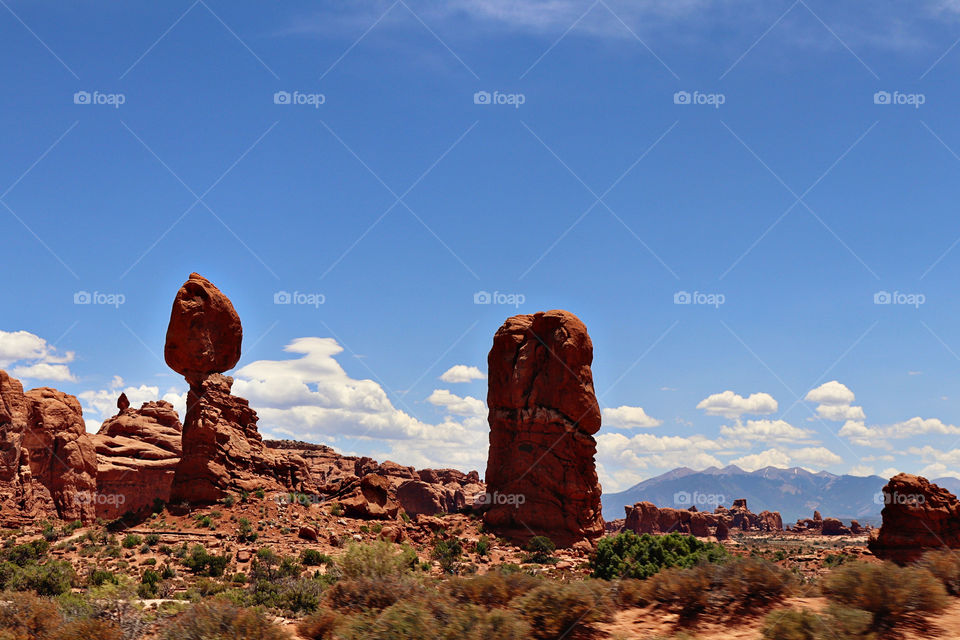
x=372 y=500
x=646 y=517
x=16 y=485
x=918 y=516
x=61 y=455
x=543 y=414
x=223 y=451
x=204 y=334
x=137 y=454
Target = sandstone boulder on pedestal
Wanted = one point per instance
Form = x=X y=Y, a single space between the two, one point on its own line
x=62 y=458
x=204 y=334
x=543 y=414
x=918 y=515
x=137 y=454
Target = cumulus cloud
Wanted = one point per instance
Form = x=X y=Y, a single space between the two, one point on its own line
x=861 y=470
x=625 y=417
x=767 y=431
x=620 y=454
x=462 y=373
x=768 y=458
x=835 y=402
x=809 y=457
x=731 y=405
x=35 y=358
x=878 y=436
x=311 y=397
x=815 y=456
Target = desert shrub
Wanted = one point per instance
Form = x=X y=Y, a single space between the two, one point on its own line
x=49 y=579
x=152 y=539
x=540 y=550
x=228 y=500
x=89 y=629
x=379 y=559
x=131 y=540
x=21 y=554
x=555 y=610
x=628 y=555
x=631 y=593
x=319 y=625
x=313 y=558
x=25 y=616
x=742 y=585
x=482 y=546
x=292 y=594
x=796 y=624
x=892 y=595
x=203 y=563
x=98 y=577
x=245 y=532
x=336 y=509
x=447 y=553
x=492 y=589
x=222 y=620
x=367 y=593
x=436 y=619
x=945 y=566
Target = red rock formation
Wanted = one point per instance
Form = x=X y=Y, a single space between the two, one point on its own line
x=61 y=455
x=223 y=452
x=646 y=517
x=137 y=453
x=918 y=515
x=372 y=500
x=17 y=504
x=833 y=527
x=543 y=414
x=204 y=333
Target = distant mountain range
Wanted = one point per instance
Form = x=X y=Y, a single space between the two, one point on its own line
x=795 y=492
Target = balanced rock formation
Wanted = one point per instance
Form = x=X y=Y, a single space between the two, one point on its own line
x=204 y=334
x=917 y=516
x=222 y=449
x=137 y=453
x=541 y=477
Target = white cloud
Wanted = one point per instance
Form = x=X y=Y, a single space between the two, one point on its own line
x=877 y=436
x=311 y=397
x=100 y=404
x=938 y=470
x=861 y=470
x=767 y=431
x=39 y=359
x=625 y=417
x=815 y=456
x=768 y=458
x=832 y=393
x=731 y=405
x=462 y=373
x=835 y=400
x=889 y=472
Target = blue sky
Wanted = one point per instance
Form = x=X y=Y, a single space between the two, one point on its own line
x=394 y=193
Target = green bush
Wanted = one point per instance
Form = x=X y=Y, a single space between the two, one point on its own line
x=313 y=558
x=447 y=553
x=203 y=563
x=379 y=559
x=22 y=554
x=540 y=550
x=555 y=610
x=319 y=625
x=892 y=595
x=222 y=620
x=482 y=546
x=436 y=619
x=366 y=593
x=152 y=539
x=628 y=555
x=99 y=577
x=796 y=624
x=492 y=589
x=245 y=532
x=945 y=566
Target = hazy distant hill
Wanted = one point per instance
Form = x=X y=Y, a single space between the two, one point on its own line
x=795 y=492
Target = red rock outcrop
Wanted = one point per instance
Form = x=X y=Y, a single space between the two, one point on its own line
x=61 y=455
x=372 y=500
x=917 y=516
x=833 y=527
x=204 y=334
x=17 y=504
x=543 y=413
x=646 y=517
x=223 y=452
x=137 y=454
